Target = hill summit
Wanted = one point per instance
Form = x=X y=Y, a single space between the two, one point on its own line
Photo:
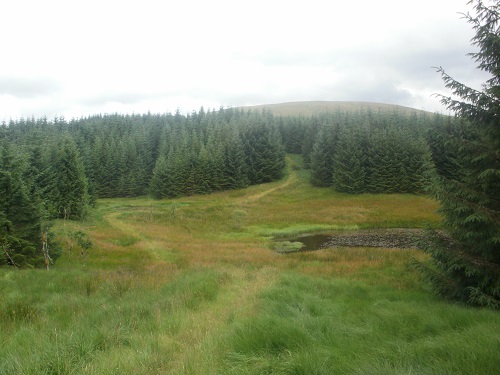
x=310 y=108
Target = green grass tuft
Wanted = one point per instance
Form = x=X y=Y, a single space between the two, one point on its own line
x=285 y=247
x=329 y=326
x=297 y=229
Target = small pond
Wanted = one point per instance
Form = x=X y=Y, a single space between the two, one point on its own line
x=402 y=238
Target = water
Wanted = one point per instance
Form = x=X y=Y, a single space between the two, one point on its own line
x=386 y=238
x=313 y=242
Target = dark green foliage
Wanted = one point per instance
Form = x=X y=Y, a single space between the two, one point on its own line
x=131 y=169
x=397 y=162
x=466 y=260
x=68 y=189
x=20 y=228
x=264 y=151
x=444 y=153
x=161 y=179
x=220 y=151
x=235 y=169
x=102 y=168
x=368 y=152
x=293 y=130
x=308 y=142
x=165 y=155
x=22 y=224
x=349 y=162
x=321 y=158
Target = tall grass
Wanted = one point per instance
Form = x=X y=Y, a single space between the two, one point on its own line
x=191 y=286
x=95 y=322
x=307 y=325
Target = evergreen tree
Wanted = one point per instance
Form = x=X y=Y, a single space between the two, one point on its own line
x=20 y=222
x=322 y=158
x=160 y=180
x=68 y=186
x=103 y=168
x=308 y=141
x=292 y=130
x=36 y=172
x=349 y=175
x=466 y=261
x=235 y=170
x=379 y=160
x=264 y=151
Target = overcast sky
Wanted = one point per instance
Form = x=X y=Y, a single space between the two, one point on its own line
x=75 y=58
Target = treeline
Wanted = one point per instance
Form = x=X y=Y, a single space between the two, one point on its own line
x=367 y=151
x=57 y=169
x=130 y=155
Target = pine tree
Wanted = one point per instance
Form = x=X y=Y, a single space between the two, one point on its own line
x=235 y=170
x=20 y=221
x=349 y=175
x=379 y=161
x=466 y=261
x=308 y=141
x=264 y=151
x=160 y=180
x=321 y=158
x=68 y=186
x=103 y=168
x=292 y=130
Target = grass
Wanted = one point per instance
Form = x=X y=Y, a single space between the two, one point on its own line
x=334 y=326
x=286 y=247
x=192 y=286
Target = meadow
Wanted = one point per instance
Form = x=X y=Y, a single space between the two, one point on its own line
x=192 y=286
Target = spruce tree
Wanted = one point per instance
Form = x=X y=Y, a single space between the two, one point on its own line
x=20 y=222
x=235 y=170
x=68 y=187
x=466 y=259
x=160 y=180
x=264 y=151
x=321 y=158
x=349 y=173
x=308 y=140
x=379 y=161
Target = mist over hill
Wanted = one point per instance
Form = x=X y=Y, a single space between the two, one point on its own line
x=310 y=108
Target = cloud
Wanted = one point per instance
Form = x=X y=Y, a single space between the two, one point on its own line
x=159 y=56
x=28 y=87
x=131 y=97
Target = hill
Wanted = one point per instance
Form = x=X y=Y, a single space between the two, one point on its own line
x=310 y=108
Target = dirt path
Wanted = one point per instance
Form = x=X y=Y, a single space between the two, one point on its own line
x=202 y=333
x=115 y=222
x=148 y=245
x=292 y=178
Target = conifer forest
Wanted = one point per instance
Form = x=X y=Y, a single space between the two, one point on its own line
x=57 y=169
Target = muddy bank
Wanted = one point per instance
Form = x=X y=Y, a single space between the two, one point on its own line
x=401 y=238
x=390 y=238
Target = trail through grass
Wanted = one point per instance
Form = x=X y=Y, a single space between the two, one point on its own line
x=290 y=179
x=193 y=286
x=205 y=329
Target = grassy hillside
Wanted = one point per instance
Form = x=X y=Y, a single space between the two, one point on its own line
x=309 y=108
x=192 y=286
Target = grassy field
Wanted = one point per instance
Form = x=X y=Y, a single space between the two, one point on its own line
x=191 y=286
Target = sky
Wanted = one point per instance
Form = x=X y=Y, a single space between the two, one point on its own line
x=75 y=58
